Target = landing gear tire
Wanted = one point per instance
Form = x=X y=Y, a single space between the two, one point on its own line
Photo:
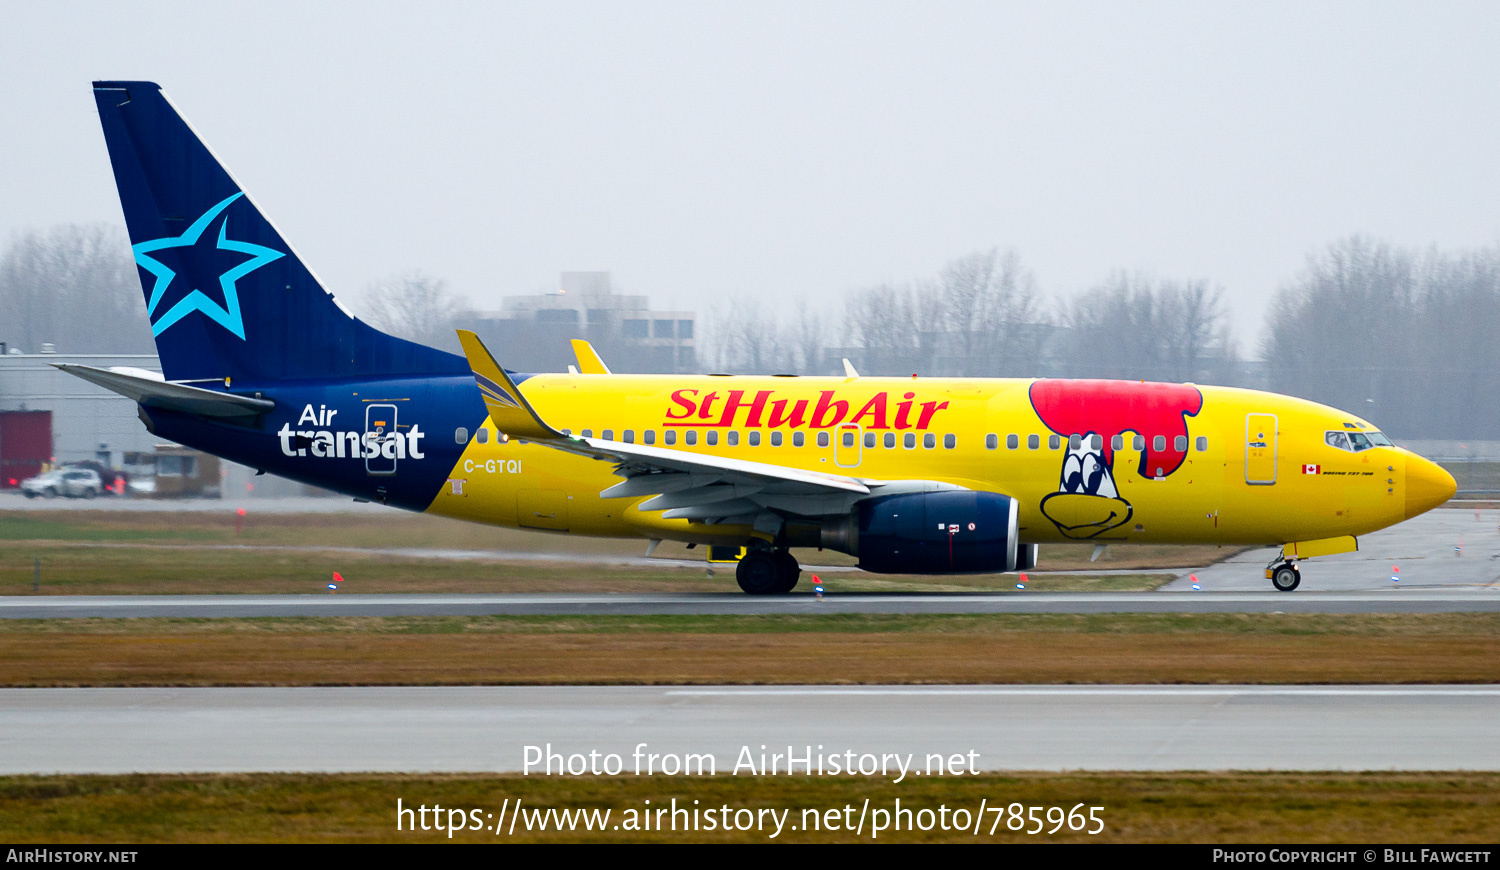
x=787 y=571
x=759 y=573
x=1286 y=578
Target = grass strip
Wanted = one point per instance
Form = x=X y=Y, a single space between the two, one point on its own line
x=1448 y=808
x=842 y=649
x=197 y=570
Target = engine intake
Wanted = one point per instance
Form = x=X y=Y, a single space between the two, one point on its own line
x=931 y=533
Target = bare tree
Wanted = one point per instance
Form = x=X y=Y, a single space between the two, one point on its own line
x=810 y=335
x=747 y=339
x=418 y=307
x=1405 y=338
x=1134 y=327
x=882 y=324
x=990 y=312
x=74 y=286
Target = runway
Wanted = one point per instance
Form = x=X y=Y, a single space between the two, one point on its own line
x=1405 y=600
x=436 y=729
x=1450 y=547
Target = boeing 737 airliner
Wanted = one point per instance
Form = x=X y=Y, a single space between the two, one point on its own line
x=263 y=366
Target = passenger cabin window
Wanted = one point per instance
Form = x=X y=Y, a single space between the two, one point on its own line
x=798 y=439
x=992 y=441
x=460 y=435
x=648 y=436
x=949 y=441
x=755 y=438
x=1117 y=442
x=1054 y=442
x=712 y=439
x=1159 y=442
x=732 y=439
x=890 y=439
x=1012 y=442
x=848 y=439
x=869 y=439
x=1033 y=442
x=1096 y=442
x=1075 y=441
x=909 y=440
x=822 y=439
x=775 y=439
x=607 y=434
x=690 y=437
x=1202 y=444
x=669 y=437
x=1138 y=442
x=1180 y=443
x=929 y=440
x=482 y=436
x=629 y=436
x=588 y=433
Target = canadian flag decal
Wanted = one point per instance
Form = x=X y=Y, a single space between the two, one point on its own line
x=1312 y=469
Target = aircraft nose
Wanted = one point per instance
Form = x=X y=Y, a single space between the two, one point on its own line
x=1427 y=485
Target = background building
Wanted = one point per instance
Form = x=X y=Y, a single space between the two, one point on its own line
x=87 y=422
x=532 y=333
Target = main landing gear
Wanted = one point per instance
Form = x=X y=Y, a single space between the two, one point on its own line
x=768 y=572
x=1284 y=574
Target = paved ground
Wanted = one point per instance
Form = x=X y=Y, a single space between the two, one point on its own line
x=1007 y=727
x=12 y=500
x=1423 y=548
x=1404 y=600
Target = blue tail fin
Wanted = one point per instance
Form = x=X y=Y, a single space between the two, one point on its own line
x=227 y=296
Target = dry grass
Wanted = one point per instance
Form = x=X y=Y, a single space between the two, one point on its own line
x=1124 y=648
x=1447 y=808
x=398 y=529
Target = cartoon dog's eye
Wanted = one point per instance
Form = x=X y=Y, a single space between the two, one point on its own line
x=1093 y=472
x=1072 y=475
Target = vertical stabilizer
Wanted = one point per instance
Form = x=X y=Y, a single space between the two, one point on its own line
x=226 y=295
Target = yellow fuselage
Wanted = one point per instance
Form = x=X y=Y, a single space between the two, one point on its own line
x=1257 y=468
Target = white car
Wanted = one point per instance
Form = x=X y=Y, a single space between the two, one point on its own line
x=70 y=482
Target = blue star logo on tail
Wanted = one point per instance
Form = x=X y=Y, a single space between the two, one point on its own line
x=202 y=250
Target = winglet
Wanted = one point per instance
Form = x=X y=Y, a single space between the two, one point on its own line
x=849 y=372
x=588 y=359
x=509 y=410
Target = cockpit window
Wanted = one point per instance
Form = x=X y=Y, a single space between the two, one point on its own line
x=1356 y=442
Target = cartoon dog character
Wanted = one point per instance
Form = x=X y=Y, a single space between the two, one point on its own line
x=1087 y=502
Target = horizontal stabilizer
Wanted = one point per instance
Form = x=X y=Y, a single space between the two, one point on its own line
x=154 y=393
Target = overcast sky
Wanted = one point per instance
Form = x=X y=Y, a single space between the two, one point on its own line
x=788 y=150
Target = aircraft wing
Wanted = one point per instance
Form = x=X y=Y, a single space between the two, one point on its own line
x=683 y=485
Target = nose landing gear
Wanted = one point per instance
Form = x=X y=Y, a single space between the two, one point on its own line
x=768 y=572
x=1284 y=574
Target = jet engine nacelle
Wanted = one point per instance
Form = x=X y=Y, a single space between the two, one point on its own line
x=931 y=533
